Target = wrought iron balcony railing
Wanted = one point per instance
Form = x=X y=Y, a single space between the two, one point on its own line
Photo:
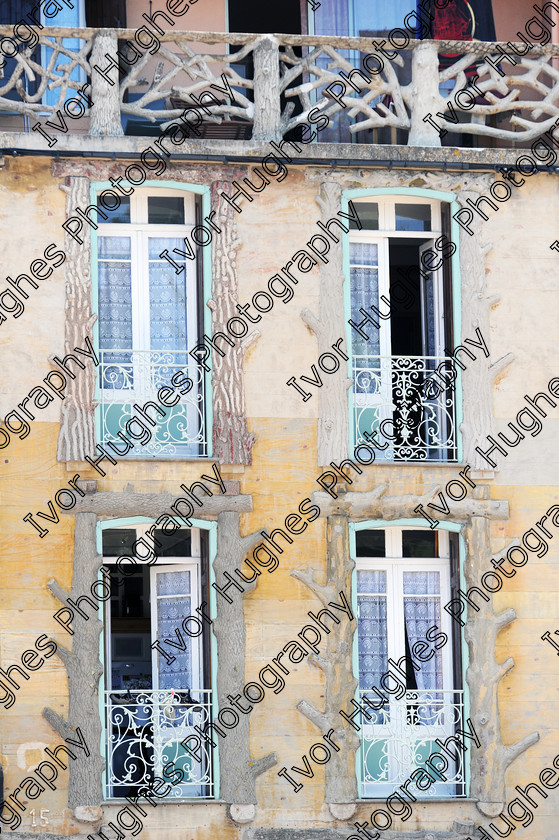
x=410 y=401
x=128 y=379
x=276 y=80
x=144 y=730
x=401 y=737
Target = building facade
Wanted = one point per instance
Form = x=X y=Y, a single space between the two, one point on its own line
x=279 y=390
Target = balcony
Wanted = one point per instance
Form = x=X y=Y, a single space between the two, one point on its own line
x=130 y=378
x=410 y=402
x=400 y=737
x=265 y=86
x=144 y=729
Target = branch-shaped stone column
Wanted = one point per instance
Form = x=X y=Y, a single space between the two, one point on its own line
x=488 y=763
x=479 y=376
x=328 y=327
x=76 y=438
x=336 y=665
x=105 y=111
x=238 y=770
x=232 y=441
x=84 y=671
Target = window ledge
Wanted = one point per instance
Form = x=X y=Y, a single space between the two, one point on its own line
x=423 y=801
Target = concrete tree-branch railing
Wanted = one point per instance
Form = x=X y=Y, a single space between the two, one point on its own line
x=528 y=97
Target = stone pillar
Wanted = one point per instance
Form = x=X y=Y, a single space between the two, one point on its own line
x=328 y=326
x=232 y=441
x=337 y=666
x=76 y=437
x=84 y=671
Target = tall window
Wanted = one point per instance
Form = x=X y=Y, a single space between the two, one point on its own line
x=409 y=663
x=401 y=325
x=157 y=668
x=149 y=318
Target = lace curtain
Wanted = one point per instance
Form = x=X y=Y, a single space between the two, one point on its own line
x=372 y=635
x=174 y=604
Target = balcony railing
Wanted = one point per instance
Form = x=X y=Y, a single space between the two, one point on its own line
x=144 y=730
x=277 y=80
x=410 y=402
x=130 y=378
x=400 y=737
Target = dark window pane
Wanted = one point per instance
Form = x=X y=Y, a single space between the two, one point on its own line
x=173 y=545
x=117 y=542
x=413 y=217
x=165 y=211
x=370 y=543
x=368 y=215
x=120 y=214
x=419 y=543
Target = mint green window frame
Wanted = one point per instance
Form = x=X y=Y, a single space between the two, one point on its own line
x=211 y=528
x=416 y=524
x=437 y=195
x=205 y=192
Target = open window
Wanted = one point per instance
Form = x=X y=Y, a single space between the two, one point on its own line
x=410 y=686
x=157 y=663
x=150 y=317
x=400 y=325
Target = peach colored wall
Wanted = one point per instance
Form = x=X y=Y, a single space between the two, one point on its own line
x=511 y=17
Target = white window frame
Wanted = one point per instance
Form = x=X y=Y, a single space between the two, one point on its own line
x=161 y=565
x=381 y=237
x=394 y=565
x=139 y=231
x=195 y=559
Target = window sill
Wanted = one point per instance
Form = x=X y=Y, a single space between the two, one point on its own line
x=424 y=800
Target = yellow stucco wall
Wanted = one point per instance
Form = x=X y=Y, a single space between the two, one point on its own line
x=521 y=268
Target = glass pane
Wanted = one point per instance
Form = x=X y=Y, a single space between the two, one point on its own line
x=120 y=214
x=378 y=15
x=421 y=543
x=117 y=542
x=371 y=582
x=413 y=217
x=173 y=583
x=114 y=247
x=115 y=310
x=420 y=615
x=173 y=545
x=422 y=583
x=165 y=210
x=170 y=613
x=368 y=215
x=363 y=253
x=167 y=295
x=370 y=544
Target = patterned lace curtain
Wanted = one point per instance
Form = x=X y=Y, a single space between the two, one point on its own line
x=167 y=298
x=173 y=604
x=422 y=610
x=372 y=631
